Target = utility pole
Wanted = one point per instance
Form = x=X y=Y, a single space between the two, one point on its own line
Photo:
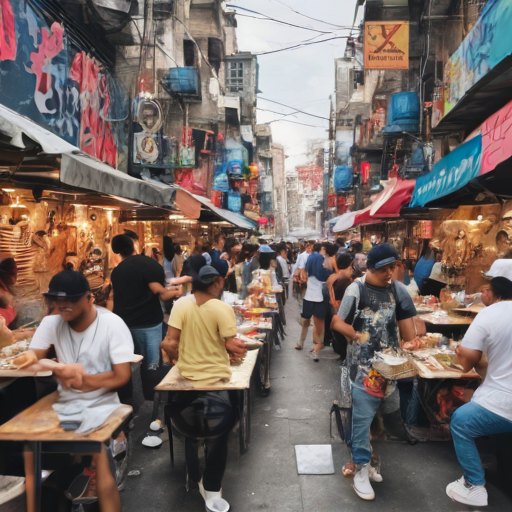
x=330 y=167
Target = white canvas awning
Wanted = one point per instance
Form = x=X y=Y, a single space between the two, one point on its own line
x=236 y=219
x=81 y=170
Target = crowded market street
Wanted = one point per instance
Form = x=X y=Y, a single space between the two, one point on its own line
x=255 y=255
x=297 y=412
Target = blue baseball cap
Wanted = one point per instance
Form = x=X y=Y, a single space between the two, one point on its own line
x=381 y=256
x=265 y=248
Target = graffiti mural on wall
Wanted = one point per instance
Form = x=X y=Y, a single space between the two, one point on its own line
x=7 y=31
x=60 y=87
x=96 y=134
x=488 y=43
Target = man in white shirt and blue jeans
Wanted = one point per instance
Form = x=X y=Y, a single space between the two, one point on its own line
x=490 y=410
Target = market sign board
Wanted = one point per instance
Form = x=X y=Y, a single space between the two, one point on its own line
x=386 y=45
x=450 y=174
x=488 y=44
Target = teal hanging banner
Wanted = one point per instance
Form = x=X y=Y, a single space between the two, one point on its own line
x=449 y=174
x=488 y=44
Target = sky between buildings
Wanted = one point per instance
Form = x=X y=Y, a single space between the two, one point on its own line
x=302 y=78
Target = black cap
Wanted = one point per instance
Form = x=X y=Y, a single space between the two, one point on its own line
x=206 y=275
x=68 y=284
x=222 y=267
x=381 y=256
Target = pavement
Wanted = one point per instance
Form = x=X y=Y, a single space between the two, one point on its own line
x=297 y=412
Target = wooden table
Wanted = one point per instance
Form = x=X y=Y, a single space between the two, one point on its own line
x=427 y=373
x=240 y=382
x=40 y=423
x=432 y=318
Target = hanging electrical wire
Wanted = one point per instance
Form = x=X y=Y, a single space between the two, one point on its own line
x=296 y=122
x=301 y=45
x=306 y=16
x=238 y=14
x=269 y=18
x=293 y=108
x=274 y=112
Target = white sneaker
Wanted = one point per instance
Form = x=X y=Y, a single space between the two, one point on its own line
x=463 y=492
x=152 y=442
x=213 y=500
x=362 y=484
x=374 y=474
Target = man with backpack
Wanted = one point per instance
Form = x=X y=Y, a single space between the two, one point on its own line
x=374 y=315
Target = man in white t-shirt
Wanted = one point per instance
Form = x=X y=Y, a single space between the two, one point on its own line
x=97 y=346
x=282 y=255
x=490 y=410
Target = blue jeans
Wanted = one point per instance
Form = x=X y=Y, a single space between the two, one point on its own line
x=365 y=406
x=469 y=422
x=147 y=344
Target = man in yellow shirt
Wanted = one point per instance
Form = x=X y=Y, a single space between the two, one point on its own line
x=200 y=336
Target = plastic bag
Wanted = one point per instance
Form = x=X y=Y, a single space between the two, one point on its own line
x=234 y=201
x=342 y=177
x=220 y=178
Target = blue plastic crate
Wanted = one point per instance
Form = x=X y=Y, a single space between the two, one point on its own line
x=403 y=113
x=182 y=81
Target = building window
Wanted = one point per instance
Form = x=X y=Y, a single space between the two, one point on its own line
x=215 y=53
x=189 y=53
x=235 y=77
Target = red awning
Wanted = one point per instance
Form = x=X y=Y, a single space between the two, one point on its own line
x=396 y=194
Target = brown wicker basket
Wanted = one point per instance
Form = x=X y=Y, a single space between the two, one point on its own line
x=395 y=372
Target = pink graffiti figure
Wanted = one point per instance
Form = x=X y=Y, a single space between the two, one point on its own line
x=7 y=31
x=52 y=43
x=96 y=135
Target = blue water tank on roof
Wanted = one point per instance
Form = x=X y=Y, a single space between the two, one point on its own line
x=403 y=113
x=182 y=81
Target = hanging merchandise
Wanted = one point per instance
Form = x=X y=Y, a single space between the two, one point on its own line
x=235 y=158
x=187 y=148
x=425 y=229
x=234 y=201
x=342 y=177
x=145 y=148
x=365 y=172
x=149 y=115
x=184 y=178
x=187 y=155
x=170 y=151
x=342 y=205
x=217 y=198
x=220 y=178
x=254 y=171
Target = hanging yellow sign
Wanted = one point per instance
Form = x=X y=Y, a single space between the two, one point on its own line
x=386 y=45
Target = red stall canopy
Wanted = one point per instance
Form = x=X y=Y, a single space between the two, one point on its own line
x=396 y=194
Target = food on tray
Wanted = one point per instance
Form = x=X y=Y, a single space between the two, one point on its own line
x=250 y=343
x=25 y=359
x=449 y=361
x=412 y=345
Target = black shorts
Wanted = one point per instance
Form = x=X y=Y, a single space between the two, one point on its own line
x=317 y=309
